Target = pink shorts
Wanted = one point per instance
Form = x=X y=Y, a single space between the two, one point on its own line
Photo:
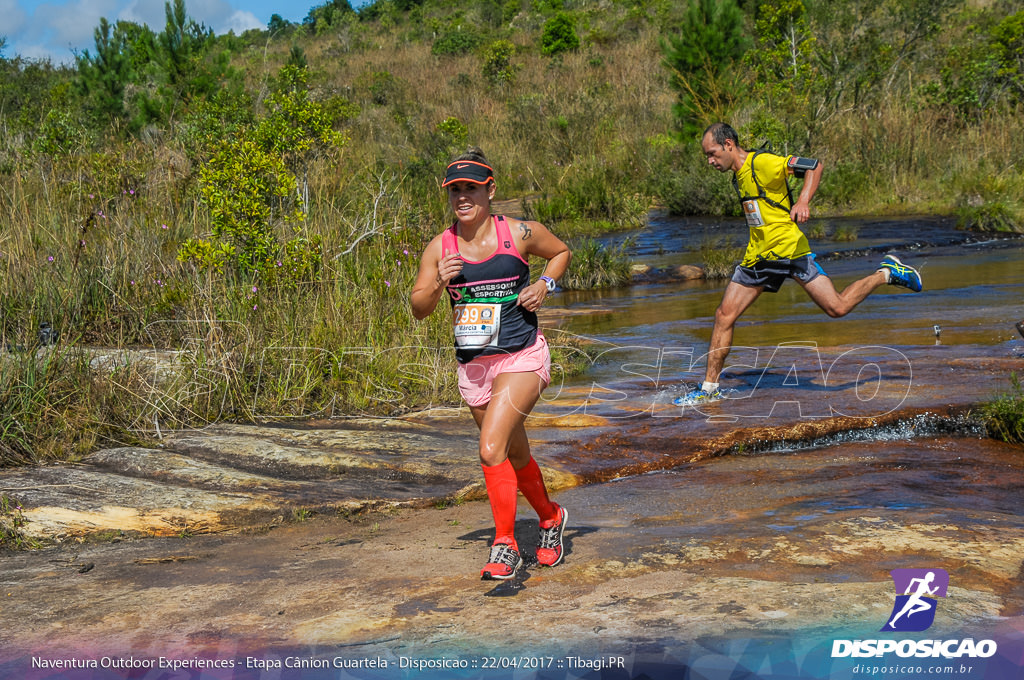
x=477 y=377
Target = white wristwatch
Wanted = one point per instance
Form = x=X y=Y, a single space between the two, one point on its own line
x=549 y=282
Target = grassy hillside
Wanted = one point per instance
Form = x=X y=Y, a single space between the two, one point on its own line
x=259 y=202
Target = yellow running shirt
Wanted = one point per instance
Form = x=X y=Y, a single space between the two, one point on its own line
x=773 y=233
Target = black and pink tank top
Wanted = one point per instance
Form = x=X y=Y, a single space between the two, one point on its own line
x=485 y=316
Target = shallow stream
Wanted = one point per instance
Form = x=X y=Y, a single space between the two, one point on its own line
x=764 y=463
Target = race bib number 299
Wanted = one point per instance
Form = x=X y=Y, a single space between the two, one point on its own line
x=476 y=324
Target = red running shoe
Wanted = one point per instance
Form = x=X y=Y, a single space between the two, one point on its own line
x=549 y=546
x=502 y=564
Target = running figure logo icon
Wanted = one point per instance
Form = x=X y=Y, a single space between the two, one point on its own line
x=914 y=610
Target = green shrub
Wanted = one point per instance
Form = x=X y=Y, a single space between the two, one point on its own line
x=248 y=192
x=296 y=127
x=989 y=216
x=816 y=230
x=550 y=210
x=685 y=184
x=559 y=35
x=595 y=265
x=452 y=131
x=382 y=86
x=455 y=42
x=510 y=9
x=498 y=68
x=719 y=257
x=988 y=199
x=220 y=117
x=845 y=233
x=1004 y=416
x=59 y=134
x=847 y=183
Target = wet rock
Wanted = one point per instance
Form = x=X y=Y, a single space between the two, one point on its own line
x=639 y=270
x=644 y=273
x=159 y=464
x=228 y=477
x=635 y=578
x=688 y=272
x=577 y=420
x=68 y=501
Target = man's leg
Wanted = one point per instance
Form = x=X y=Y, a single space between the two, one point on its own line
x=823 y=292
x=735 y=301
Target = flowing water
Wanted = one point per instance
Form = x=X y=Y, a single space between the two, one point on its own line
x=973 y=290
x=828 y=418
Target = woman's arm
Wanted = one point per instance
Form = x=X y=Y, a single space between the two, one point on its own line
x=436 y=270
x=533 y=238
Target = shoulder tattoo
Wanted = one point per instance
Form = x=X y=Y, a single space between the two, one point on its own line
x=527 y=232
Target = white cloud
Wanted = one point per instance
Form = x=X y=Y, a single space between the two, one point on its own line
x=14 y=18
x=40 y=53
x=217 y=15
x=149 y=12
x=55 y=30
x=73 y=24
x=240 y=21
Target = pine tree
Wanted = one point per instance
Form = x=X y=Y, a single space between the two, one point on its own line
x=103 y=76
x=701 y=58
x=182 y=50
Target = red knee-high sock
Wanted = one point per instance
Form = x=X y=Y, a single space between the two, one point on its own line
x=501 y=485
x=531 y=483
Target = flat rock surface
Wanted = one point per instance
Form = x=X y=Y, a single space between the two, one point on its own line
x=690 y=529
x=791 y=544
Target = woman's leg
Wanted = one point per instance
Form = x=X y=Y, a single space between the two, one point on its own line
x=503 y=438
x=503 y=444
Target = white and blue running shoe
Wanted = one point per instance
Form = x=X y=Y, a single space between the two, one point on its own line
x=900 y=274
x=698 y=396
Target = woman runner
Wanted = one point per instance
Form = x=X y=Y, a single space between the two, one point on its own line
x=503 y=359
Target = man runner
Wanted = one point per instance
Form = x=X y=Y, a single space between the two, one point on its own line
x=777 y=249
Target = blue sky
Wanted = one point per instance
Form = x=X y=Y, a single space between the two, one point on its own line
x=55 y=29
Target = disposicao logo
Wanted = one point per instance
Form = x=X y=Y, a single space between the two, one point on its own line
x=917 y=593
x=914 y=610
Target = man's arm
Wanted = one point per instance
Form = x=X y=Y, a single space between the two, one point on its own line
x=801 y=209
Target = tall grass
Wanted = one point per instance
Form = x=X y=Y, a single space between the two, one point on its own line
x=12 y=521
x=90 y=237
x=1004 y=415
x=904 y=158
x=597 y=265
x=719 y=257
x=95 y=257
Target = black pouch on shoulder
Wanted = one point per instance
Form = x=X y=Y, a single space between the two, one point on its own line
x=800 y=166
